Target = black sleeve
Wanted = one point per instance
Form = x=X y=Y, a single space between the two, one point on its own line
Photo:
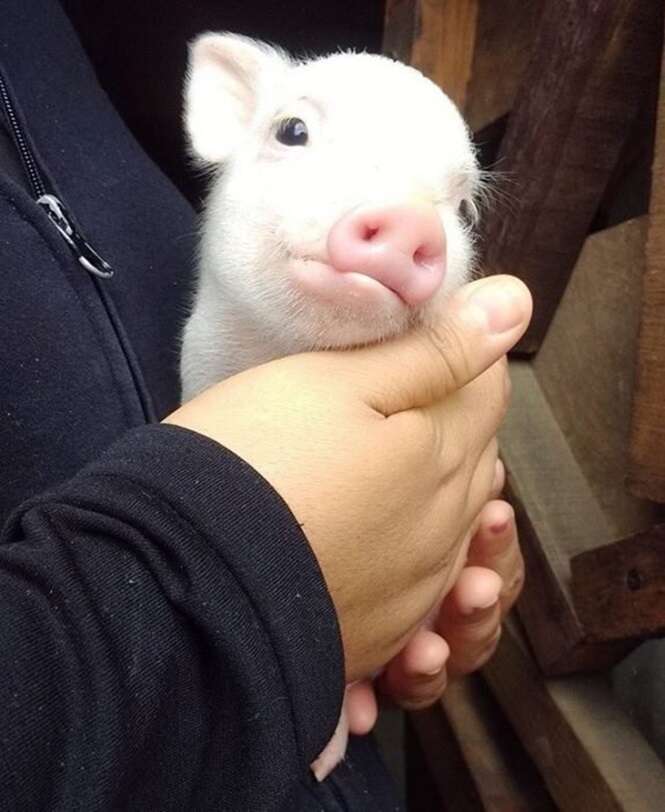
x=167 y=641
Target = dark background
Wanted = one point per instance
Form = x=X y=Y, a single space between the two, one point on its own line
x=139 y=50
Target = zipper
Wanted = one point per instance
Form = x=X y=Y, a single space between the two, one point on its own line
x=86 y=256
x=54 y=208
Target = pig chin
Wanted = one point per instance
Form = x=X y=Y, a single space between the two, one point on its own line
x=347 y=308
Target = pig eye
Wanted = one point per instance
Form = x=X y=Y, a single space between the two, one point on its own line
x=292 y=132
x=468 y=213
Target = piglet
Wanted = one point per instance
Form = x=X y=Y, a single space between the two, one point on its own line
x=338 y=212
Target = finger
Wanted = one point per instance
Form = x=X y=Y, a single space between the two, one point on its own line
x=335 y=750
x=417 y=677
x=499 y=479
x=475 y=492
x=482 y=321
x=495 y=546
x=361 y=708
x=476 y=590
x=462 y=425
x=470 y=620
x=481 y=484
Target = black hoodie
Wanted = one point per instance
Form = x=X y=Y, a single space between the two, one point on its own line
x=166 y=638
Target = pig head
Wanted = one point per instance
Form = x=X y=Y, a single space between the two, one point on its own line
x=339 y=207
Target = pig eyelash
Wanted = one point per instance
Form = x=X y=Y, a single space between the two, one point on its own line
x=469 y=212
x=491 y=191
x=483 y=194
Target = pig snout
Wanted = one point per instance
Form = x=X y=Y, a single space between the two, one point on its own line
x=402 y=246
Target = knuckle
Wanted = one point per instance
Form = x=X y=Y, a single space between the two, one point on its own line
x=416 y=703
x=423 y=692
x=487 y=651
x=481 y=653
x=451 y=352
x=502 y=385
x=513 y=588
x=492 y=644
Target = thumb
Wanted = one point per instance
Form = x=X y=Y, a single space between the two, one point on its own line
x=482 y=321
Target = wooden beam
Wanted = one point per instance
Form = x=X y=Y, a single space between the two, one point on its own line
x=647 y=447
x=588 y=752
x=435 y=36
x=585 y=369
x=628 y=191
x=504 y=776
x=444 y=49
x=444 y=761
x=557 y=516
x=504 y=37
x=619 y=589
x=400 y=29
x=591 y=63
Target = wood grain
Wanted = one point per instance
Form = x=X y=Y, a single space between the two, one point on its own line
x=557 y=516
x=444 y=764
x=400 y=29
x=444 y=49
x=619 y=589
x=647 y=447
x=504 y=776
x=584 y=86
x=588 y=752
x=503 y=42
x=586 y=366
x=435 y=36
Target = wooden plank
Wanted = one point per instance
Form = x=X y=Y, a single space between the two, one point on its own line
x=421 y=792
x=504 y=776
x=619 y=589
x=588 y=752
x=504 y=36
x=445 y=764
x=435 y=36
x=557 y=516
x=647 y=447
x=628 y=191
x=400 y=29
x=444 y=49
x=592 y=60
x=585 y=368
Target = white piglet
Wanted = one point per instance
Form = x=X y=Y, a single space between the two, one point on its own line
x=336 y=215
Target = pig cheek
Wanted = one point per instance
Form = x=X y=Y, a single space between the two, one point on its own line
x=253 y=229
x=459 y=250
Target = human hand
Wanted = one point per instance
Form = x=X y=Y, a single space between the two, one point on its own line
x=466 y=630
x=370 y=448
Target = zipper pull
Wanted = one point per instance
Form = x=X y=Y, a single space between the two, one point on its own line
x=82 y=250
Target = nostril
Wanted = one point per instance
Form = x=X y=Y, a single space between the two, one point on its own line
x=402 y=247
x=425 y=258
x=420 y=257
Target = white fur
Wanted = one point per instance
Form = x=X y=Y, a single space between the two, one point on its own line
x=380 y=132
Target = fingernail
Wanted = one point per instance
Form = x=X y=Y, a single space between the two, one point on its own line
x=469 y=611
x=437 y=662
x=500 y=303
x=500 y=527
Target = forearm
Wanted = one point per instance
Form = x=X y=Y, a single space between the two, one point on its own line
x=165 y=627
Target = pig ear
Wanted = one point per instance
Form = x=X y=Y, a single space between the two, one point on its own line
x=224 y=80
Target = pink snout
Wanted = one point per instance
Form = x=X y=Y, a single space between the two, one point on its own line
x=403 y=247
